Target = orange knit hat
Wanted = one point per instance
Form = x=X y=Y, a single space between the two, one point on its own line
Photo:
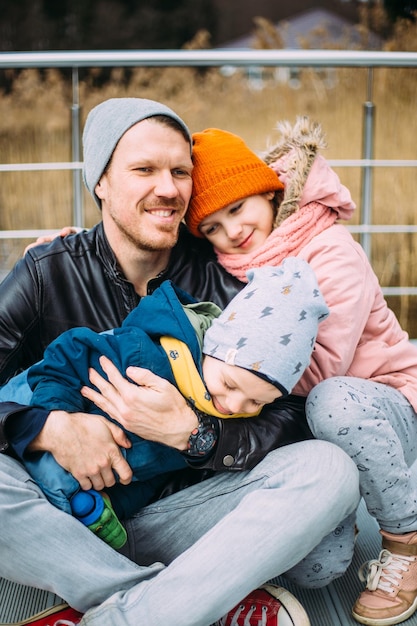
x=225 y=171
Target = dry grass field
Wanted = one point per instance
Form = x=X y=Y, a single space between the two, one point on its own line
x=35 y=117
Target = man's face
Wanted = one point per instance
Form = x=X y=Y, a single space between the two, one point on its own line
x=147 y=187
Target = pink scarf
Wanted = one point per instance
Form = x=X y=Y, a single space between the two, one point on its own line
x=287 y=240
x=323 y=201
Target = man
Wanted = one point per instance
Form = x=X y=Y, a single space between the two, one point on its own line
x=211 y=538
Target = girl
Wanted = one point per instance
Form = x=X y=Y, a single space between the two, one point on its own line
x=361 y=385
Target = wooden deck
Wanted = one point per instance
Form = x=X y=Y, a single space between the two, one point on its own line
x=325 y=607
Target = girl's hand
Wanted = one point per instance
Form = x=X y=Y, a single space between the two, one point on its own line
x=67 y=230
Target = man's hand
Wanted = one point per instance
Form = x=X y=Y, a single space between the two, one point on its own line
x=87 y=446
x=152 y=408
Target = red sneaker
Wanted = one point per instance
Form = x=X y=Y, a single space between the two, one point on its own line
x=59 y=615
x=267 y=606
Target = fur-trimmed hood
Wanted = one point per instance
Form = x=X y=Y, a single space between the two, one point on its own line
x=306 y=175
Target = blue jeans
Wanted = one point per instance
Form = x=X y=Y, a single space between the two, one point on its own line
x=195 y=554
x=377 y=427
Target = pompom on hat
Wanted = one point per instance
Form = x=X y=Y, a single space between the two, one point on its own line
x=225 y=171
x=270 y=327
x=105 y=126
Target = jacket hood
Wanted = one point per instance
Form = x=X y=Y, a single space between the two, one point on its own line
x=306 y=175
x=163 y=314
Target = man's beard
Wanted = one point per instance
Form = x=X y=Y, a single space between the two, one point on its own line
x=155 y=243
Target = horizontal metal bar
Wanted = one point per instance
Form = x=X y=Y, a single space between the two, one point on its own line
x=36 y=167
x=382 y=228
x=373 y=162
x=77 y=165
x=26 y=234
x=361 y=228
x=399 y=291
x=218 y=57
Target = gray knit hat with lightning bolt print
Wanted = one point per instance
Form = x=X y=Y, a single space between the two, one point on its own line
x=270 y=327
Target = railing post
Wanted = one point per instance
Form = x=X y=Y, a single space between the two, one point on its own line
x=78 y=209
x=367 y=170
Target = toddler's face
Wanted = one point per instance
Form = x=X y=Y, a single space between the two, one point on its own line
x=241 y=227
x=235 y=389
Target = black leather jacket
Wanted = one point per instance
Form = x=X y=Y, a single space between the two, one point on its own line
x=75 y=281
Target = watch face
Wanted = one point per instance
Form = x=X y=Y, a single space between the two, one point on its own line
x=205 y=440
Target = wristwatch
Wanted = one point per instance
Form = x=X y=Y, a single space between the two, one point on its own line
x=203 y=438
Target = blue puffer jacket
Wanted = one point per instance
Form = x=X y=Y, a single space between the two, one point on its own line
x=57 y=379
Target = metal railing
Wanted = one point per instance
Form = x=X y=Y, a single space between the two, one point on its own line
x=218 y=58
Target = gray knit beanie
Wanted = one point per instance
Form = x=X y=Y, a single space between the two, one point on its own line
x=104 y=127
x=270 y=327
